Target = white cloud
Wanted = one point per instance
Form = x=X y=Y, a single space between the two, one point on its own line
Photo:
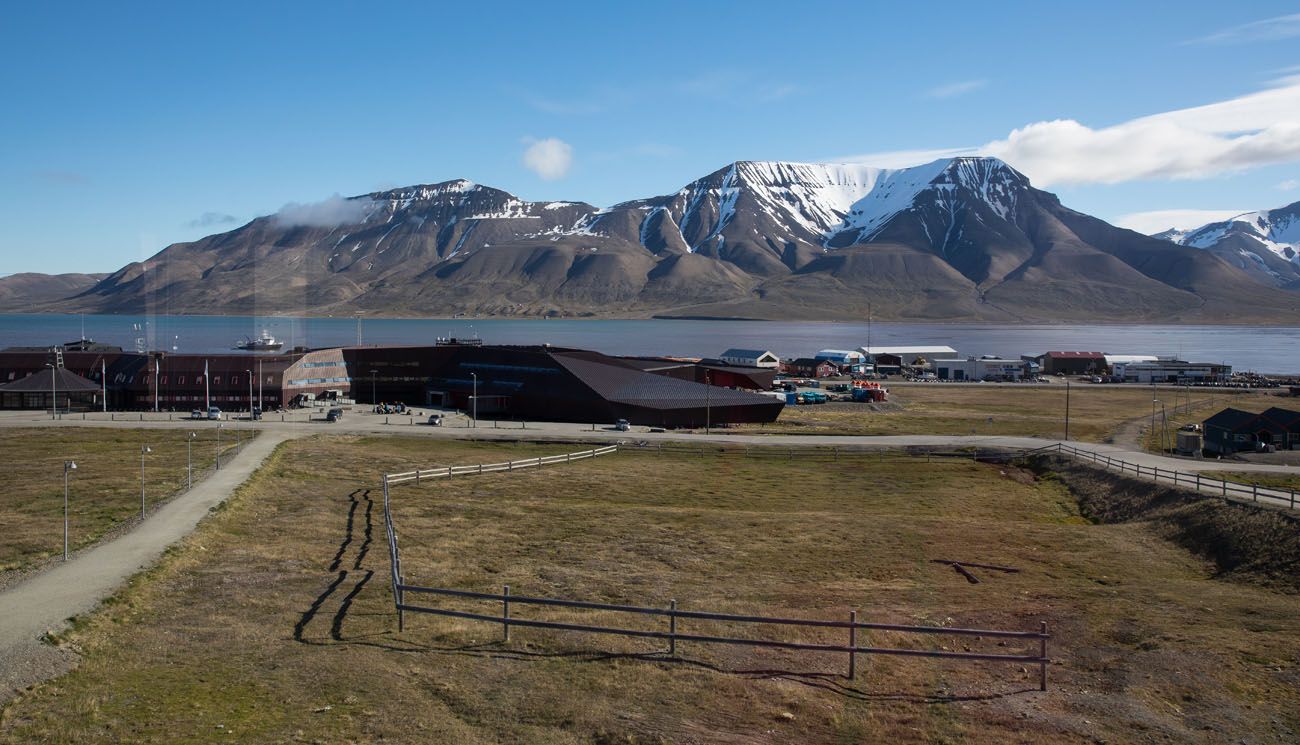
x=1269 y=29
x=955 y=89
x=1157 y=221
x=1238 y=134
x=1288 y=185
x=549 y=158
x=904 y=158
x=327 y=213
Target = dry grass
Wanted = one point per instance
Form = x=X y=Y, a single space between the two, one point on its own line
x=104 y=491
x=273 y=623
x=1096 y=411
x=1270 y=480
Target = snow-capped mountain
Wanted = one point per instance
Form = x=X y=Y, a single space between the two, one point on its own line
x=1265 y=243
x=961 y=239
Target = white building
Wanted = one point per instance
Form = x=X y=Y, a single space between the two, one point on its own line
x=1173 y=371
x=751 y=358
x=1113 y=360
x=909 y=354
x=983 y=368
x=841 y=356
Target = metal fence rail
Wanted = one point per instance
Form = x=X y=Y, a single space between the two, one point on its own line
x=1232 y=490
x=851 y=626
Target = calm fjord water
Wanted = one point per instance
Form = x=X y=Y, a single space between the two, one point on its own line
x=1265 y=349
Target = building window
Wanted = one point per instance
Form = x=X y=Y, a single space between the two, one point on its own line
x=180 y=380
x=216 y=380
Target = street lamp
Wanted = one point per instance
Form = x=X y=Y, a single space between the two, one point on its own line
x=189 y=461
x=67 y=466
x=219 y=427
x=144 y=450
x=708 y=411
x=1067 y=410
x=374 y=399
x=54 y=390
x=250 y=394
x=474 y=398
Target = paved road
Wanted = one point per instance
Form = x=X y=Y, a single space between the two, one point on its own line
x=45 y=601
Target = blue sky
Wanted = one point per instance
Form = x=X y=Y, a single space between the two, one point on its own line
x=130 y=126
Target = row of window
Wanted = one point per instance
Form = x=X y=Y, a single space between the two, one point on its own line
x=316 y=381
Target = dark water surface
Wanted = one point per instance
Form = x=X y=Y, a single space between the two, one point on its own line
x=1265 y=349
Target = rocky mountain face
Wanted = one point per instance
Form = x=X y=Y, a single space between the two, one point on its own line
x=957 y=239
x=21 y=292
x=1265 y=245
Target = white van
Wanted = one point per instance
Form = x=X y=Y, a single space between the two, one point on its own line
x=214 y=412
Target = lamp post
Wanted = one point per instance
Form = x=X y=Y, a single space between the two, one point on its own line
x=259 y=384
x=1067 y=410
x=374 y=399
x=219 y=426
x=250 y=394
x=54 y=391
x=144 y=450
x=474 y=399
x=67 y=467
x=189 y=461
x=708 y=411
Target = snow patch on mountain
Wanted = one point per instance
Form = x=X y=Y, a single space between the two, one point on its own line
x=1277 y=230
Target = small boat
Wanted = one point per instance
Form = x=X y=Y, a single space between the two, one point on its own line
x=263 y=343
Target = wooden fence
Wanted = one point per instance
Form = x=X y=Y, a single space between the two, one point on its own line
x=1201 y=484
x=673 y=634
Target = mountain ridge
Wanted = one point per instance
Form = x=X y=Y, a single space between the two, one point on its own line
x=956 y=239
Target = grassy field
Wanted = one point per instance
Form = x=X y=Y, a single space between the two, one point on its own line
x=273 y=622
x=104 y=490
x=1270 y=480
x=1096 y=411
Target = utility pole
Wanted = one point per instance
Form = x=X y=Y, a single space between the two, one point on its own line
x=250 y=394
x=474 y=399
x=259 y=384
x=103 y=382
x=1154 y=401
x=157 y=366
x=1067 y=409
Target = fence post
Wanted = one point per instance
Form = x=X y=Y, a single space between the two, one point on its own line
x=480 y=469
x=1225 y=488
x=853 y=644
x=505 y=612
x=672 y=627
x=1042 y=656
x=1254 y=492
x=1292 y=498
x=1198 y=482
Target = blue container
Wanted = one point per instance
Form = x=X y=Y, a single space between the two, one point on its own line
x=791 y=399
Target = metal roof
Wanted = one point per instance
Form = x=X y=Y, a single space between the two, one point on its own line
x=1076 y=355
x=627 y=385
x=61 y=379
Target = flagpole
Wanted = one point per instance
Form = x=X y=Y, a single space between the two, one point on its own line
x=207 y=391
x=103 y=380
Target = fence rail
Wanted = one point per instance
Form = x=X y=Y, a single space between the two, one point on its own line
x=673 y=635
x=1232 y=490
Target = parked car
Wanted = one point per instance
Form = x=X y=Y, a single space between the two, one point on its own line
x=435 y=420
x=214 y=412
x=622 y=425
x=334 y=415
x=198 y=414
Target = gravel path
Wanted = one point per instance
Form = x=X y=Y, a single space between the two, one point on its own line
x=46 y=601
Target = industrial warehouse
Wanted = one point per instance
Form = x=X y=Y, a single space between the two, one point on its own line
x=507 y=382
